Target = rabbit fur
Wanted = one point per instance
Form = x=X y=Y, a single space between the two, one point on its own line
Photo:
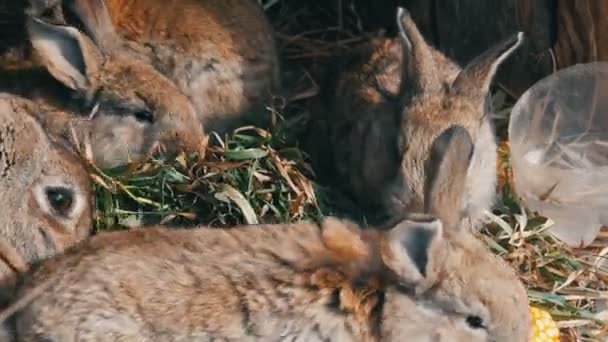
x=387 y=103
x=97 y=94
x=220 y=53
x=423 y=279
x=45 y=189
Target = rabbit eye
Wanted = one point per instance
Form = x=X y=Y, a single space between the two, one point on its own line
x=144 y=116
x=475 y=322
x=60 y=199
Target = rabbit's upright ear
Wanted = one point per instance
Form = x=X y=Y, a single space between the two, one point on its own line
x=413 y=249
x=419 y=72
x=446 y=172
x=475 y=79
x=97 y=21
x=67 y=54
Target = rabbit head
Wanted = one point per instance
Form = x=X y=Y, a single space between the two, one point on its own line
x=433 y=98
x=222 y=55
x=45 y=189
x=452 y=288
x=136 y=109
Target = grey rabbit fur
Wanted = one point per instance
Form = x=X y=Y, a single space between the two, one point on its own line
x=383 y=108
x=47 y=201
x=424 y=279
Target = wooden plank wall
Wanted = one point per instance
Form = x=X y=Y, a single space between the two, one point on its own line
x=559 y=33
x=582 y=32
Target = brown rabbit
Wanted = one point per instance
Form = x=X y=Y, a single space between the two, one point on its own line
x=425 y=279
x=390 y=101
x=45 y=189
x=101 y=94
x=220 y=53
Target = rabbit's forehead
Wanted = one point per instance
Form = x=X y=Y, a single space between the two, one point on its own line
x=477 y=281
x=67 y=159
x=27 y=153
x=503 y=295
x=423 y=319
x=437 y=112
x=64 y=167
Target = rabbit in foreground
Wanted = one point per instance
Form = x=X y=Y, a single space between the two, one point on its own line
x=220 y=53
x=98 y=93
x=45 y=190
x=425 y=279
x=390 y=101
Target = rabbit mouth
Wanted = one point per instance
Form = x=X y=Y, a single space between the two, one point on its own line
x=130 y=142
x=117 y=156
x=156 y=149
x=172 y=145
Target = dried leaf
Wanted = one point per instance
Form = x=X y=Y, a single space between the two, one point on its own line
x=230 y=194
x=246 y=154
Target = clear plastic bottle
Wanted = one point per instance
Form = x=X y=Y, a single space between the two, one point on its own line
x=559 y=150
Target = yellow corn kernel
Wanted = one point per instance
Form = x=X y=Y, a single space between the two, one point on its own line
x=544 y=328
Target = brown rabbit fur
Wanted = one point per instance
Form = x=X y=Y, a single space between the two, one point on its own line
x=136 y=108
x=389 y=101
x=220 y=53
x=45 y=189
x=425 y=279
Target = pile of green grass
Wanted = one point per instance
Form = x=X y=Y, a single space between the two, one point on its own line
x=249 y=177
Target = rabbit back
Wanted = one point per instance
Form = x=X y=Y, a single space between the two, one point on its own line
x=327 y=281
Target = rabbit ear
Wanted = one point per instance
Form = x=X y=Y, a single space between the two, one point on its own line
x=419 y=73
x=67 y=54
x=446 y=173
x=413 y=249
x=97 y=21
x=475 y=79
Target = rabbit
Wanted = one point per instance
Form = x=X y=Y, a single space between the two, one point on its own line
x=390 y=100
x=424 y=279
x=95 y=92
x=220 y=53
x=47 y=200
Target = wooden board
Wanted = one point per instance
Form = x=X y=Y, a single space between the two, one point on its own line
x=12 y=27
x=582 y=27
x=466 y=28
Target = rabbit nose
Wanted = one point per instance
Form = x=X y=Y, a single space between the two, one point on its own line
x=191 y=141
x=196 y=145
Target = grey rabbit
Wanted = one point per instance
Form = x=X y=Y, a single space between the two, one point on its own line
x=47 y=201
x=47 y=196
x=388 y=102
x=425 y=279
